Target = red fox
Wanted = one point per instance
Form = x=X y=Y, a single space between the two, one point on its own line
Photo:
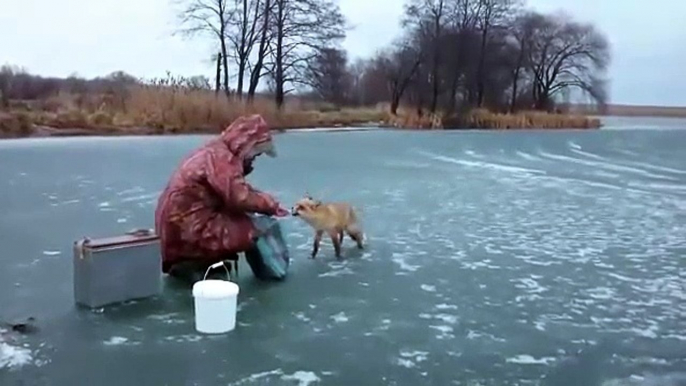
x=334 y=218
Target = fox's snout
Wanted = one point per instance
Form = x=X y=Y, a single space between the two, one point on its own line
x=300 y=207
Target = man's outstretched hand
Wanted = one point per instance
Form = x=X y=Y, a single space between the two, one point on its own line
x=281 y=212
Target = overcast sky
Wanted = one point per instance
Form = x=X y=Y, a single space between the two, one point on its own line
x=96 y=37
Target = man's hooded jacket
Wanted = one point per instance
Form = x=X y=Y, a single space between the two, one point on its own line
x=202 y=213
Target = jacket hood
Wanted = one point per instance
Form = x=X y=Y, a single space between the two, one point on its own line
x=248 y=136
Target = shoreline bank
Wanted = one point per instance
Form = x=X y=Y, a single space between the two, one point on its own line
x=50 y=132
x=15 y=128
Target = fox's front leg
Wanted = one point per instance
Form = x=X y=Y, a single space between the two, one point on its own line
x=317 y=240
x=336 y=239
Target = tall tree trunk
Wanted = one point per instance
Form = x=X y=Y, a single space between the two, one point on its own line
x=515 y=81
x=481 y=73
x=541 y=97
x=395 y=102
x=397 y=90
x=436 y=61
x=434 y=92
x=241 y=74
x=257 y=69
x=453 y=93
x=279 y=56
x=225 y=56
x=225 y=61
x=399 y=86
x=217 y=82
x=515 y=78
x=434 y=82
x=242 y=51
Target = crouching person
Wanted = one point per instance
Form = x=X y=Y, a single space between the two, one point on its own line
x=202 y=214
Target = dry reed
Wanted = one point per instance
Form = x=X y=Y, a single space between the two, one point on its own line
x=483 y=119
x=164 y=108
x=177 y=110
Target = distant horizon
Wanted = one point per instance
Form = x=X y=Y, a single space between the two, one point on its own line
x=93 y=39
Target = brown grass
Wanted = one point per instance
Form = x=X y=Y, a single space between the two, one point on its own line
x=15 y=124
x=409 y=119
x=167 y=110
x=483 y=119
x=164 y=110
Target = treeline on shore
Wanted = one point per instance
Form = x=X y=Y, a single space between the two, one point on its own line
x=455 y=64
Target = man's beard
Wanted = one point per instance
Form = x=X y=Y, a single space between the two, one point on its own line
x=247 y=166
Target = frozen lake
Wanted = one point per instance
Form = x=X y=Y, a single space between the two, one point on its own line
x=493 y=258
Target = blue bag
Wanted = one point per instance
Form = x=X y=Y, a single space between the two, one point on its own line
x=268 y=258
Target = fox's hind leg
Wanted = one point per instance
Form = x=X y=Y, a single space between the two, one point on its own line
x=356 y=234
x=336 y=239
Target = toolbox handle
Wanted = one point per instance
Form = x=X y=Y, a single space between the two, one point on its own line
x=140 y=232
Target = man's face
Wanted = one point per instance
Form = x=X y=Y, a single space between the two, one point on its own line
x=263 y=148
x=247 y=165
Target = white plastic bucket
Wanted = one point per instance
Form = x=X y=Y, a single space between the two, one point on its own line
x=215 y=304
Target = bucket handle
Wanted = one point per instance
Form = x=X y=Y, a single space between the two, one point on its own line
x=216 y=265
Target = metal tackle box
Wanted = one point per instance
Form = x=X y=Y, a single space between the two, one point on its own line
x=116 y=269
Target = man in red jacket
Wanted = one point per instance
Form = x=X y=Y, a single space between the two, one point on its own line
x=202 y=215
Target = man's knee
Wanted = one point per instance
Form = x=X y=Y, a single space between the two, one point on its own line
x=188 y=271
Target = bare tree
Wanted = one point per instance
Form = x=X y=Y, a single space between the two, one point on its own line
x=459 y=43
x=198 y=82
x=427 y=18
x=566 y=54
x=217 y=78
x=453 y=54
x=400 y=66
x=17 y=83
x=243 y=33
x=521 y=34
x=327 y=74
x=492 y=14
x=210 y=17
x=7 y=74
x=369 y=83
x=357 y=71
x=256 y=71
x=301 y=28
